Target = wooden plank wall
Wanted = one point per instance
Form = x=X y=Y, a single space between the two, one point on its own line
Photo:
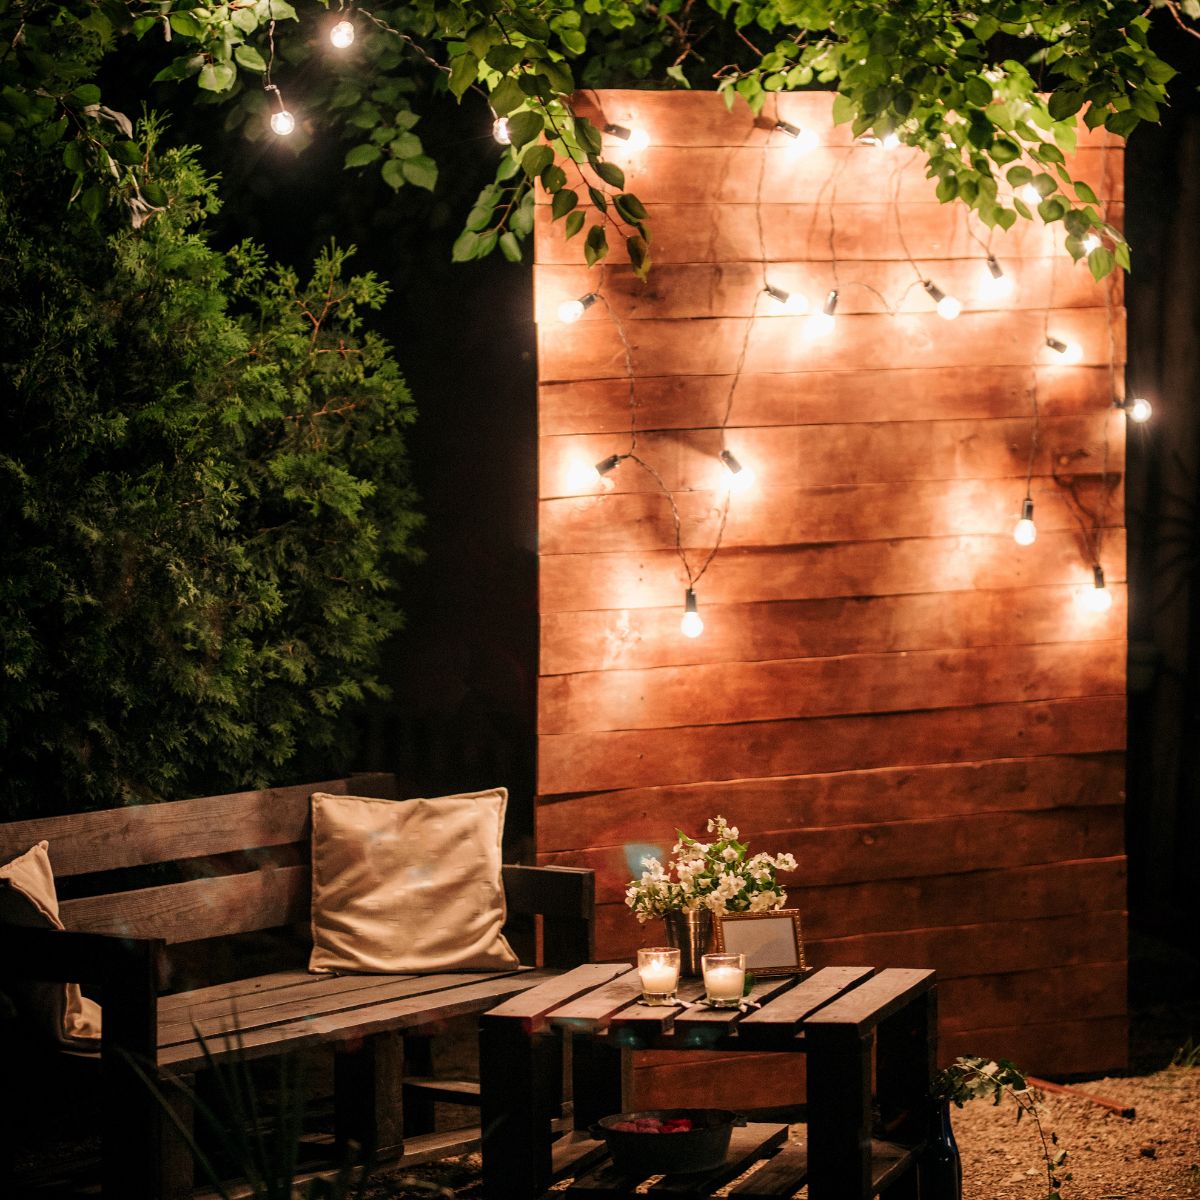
x=886 y=684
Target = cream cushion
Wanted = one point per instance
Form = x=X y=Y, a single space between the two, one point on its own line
x=408 y=886
x=28 y=897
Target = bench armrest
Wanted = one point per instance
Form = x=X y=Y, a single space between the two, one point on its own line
x=565 y=899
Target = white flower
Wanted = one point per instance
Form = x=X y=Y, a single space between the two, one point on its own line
x=729 y=854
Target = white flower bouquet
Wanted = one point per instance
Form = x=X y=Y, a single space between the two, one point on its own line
x=715 y=875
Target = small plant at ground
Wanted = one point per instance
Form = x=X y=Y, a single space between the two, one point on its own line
x=1188 y=1055
x=974 y=1078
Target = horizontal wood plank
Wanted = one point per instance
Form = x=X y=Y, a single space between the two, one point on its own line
x=873 y=1000
x=632 y=758
x=530 y=1008
x=728 y=693
x=971 y=563
x=1063 y=1047
x=709 y=1079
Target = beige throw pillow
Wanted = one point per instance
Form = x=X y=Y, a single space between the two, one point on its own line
x=28 y=897
x=408 y=886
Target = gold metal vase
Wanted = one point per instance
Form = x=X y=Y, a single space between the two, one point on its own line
x=689 y=930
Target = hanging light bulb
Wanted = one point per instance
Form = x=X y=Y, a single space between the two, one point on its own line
x=569 y=311
x=282 y=121
x=582 y=475
x=1029 y=194
x=890 y=141
x=691 y=624
x=1090 y=243
x=996 y=283
x=1097 y=598
x=741 y=478
x=802 y=140
x=342 y=34
x=948 y=307
x=635 y=139
x=1069 y=352
x=1138 y=409
x=500 y=131
x=1025 y=531
x=821 y=324
x=792 y=302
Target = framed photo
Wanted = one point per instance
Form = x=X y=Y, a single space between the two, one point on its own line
x=770 y=941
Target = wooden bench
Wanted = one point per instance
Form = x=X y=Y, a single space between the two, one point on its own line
x=242 y=865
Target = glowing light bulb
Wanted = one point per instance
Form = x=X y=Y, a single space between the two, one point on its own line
x=948 y=307
x=635 y=139
x=342 y=34
x=1068 y=352
x=500 y=131
x=802 y=140
x=1090 y=243
x=282 y=122
x=582 y=476
x=1139 y=409
x=691 y=624
x=1029 y=194
x=741 y=477
x=890 y=141
x=1097 y=598
x=1025 y=531
x=792 y=302
x=996 y=284
x=569 y=311
x=822 y=324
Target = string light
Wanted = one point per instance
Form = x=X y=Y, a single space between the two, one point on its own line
x=500 y=131
x=996 y=283
x=1068 y=351
x=1090 y=243
x=342 y=34
x=792 y=302
x=821 y=324
x=741 y=477
x=691 y=624
x=635 y=139
x=282 y=121
x=569 y=311
x=1138 y=409
x=581 y=475
x=802 y=140
x=1097 y=598
x=1029 y=194
x=948 y=307
x=1025 y=531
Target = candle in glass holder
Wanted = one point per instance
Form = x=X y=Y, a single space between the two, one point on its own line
x=724 y=979
x=658 y=967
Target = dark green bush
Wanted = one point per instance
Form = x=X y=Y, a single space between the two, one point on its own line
x=204 y=497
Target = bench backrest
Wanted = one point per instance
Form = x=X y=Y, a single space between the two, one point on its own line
x=249 y=851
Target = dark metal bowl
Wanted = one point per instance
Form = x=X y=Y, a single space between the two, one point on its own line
x=703 y=1148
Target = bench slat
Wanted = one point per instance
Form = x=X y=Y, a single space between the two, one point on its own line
x=410 y=1012
x=592 y=1011
x=200 y=908
x=529 y=1009
x=81 y=843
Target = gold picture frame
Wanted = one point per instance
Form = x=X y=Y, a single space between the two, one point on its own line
x=771 y=941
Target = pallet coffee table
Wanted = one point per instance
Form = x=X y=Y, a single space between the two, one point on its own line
x=859 y=1027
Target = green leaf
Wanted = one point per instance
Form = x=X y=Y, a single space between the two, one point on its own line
x=844 y=108
x=92 y=201
x=639 y=255
x=523 y=127
x=1018 y=175
x=185 y=25
x=1100 y=262
x=481 y=39
x=630 y=207
x=393 y=173
x=217 y=77
x=464 y=246
x=84 y=95
x=406 y=145
x=510 y=247
x=536 y=159
x=599 y=199
x=245 y=19
x=1065 y=102
x=574 y=41
x=610 y=173
x=554 y=178
x=249 y=58
x=421 y=171
x=1121 y=252
x=588 y=136
x=362 y=155
x=595 y=246
x=503 y=58
x=464 y=70
x=155 y=194
x=1004 y=151
x=1085 y=193
x=506 y=96
x=979 y=91
x=574 y=223
x=563 y=202
x=947 y=189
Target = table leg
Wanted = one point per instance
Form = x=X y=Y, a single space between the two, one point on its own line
x=520 y=1078
x=602 y=1078
x=839 y=1113
x=905 y=1064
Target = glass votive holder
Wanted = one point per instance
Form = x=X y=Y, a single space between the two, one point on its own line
x=658 y=967
x=724 y=979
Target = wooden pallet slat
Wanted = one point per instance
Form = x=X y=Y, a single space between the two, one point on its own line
x=775 y=1024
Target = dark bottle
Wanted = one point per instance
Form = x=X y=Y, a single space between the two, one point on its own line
x=941 y=1167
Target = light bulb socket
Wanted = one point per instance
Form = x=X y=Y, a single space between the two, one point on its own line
x=619 y=131
x=777 y=293
x=793 y=131
x=1098 y=576
x=1027 y=509
x=1059 y=347
x=996 y=269
x=935 y=293
x=830 y=305
x=689 y=601
x=735 y=467
x=588 y=300
x=606 y=464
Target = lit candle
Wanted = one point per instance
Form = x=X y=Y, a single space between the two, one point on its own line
x=658 y=967
x=724 y=978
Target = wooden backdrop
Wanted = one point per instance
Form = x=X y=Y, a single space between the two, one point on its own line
x=887 y=685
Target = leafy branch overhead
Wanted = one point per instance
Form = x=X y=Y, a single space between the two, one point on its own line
x=991 y=96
